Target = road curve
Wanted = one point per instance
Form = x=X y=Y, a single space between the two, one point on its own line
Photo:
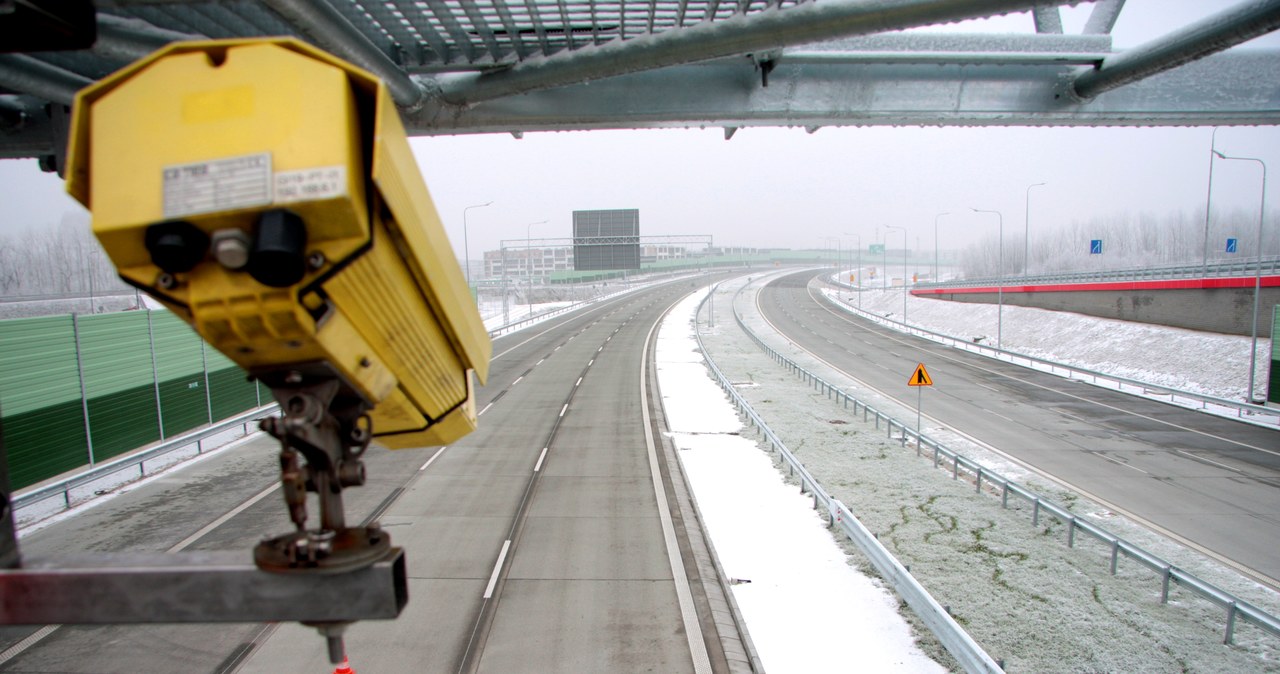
x=1209 y=481
x=548 y=540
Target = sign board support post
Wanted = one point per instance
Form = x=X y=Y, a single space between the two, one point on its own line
x=919 y=379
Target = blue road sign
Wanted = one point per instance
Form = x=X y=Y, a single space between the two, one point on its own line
x=1231 y=245
x=1095 y=246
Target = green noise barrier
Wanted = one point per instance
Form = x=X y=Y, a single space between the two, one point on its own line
x=76 y=390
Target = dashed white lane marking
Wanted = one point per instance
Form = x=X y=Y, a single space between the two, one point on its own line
x=433 y=458
x=218 y=522
x=493 y=579
x=541 y=457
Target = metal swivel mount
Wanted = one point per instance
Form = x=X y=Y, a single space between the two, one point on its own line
x=327 y=426
x=324 y=423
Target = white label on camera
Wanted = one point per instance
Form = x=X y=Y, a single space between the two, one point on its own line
x=326 y=182
x=217 y=185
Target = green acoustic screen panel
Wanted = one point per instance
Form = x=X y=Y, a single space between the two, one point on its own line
x=119 y=382
x=180 y=369
x=43 y=418
x=144 y=375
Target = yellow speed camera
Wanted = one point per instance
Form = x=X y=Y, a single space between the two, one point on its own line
x=265 y=191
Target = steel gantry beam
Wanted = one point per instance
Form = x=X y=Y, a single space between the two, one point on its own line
x=738 y=35
x=328 y=28
x=1214 y=34
x=514 y=66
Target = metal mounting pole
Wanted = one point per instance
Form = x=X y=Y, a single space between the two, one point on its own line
x=466 y=251
x=1257 y=278
x=1026 y=236
x=1000 y=275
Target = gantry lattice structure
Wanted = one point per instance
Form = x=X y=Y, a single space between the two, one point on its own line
x=511 y=66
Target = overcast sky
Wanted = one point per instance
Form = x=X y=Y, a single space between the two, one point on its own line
x=782 y=187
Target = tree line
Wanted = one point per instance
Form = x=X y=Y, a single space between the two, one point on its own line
x=1128 y=241
x=61 y=260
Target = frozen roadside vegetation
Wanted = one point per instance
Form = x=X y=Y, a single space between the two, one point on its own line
x=1207 y=363
x=1026 y=597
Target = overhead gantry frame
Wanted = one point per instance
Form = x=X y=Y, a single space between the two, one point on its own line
x=514 y=67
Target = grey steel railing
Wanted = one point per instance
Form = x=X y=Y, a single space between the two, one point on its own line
x=137 y=461
x=960 y=465
x=1270 y=265
x=966 y=651
x=1258 y=414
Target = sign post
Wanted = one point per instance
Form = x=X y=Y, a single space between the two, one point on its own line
x=919 y=379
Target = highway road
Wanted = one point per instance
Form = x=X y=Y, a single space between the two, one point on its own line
x=554 y=538
x=1209 y=481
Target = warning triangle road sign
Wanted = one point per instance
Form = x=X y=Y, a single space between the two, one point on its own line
x=920 y=377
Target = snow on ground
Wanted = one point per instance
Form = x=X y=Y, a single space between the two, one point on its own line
x=1026 y=597
x=805 y=607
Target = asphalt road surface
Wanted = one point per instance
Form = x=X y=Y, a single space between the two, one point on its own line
x=1209 y=481
x=555 y=538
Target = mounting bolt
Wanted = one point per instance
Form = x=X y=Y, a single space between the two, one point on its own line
x=166 y=281
x=316 y=260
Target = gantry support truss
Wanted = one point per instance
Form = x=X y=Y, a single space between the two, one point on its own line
x=511 y=67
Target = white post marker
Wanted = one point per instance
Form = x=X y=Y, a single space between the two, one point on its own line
x=919 y=379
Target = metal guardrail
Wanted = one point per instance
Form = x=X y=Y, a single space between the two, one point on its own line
x=138 y=460
x=1269 y=265
x=1258 y=414
x=1234 y=606
x=966 y=651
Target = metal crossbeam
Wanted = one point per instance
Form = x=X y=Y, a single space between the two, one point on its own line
x=513 y=66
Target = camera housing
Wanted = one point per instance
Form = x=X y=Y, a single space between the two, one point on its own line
x=265 y=192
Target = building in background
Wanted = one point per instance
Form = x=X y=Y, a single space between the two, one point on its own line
x=527 y=262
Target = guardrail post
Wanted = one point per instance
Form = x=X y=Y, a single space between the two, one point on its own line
x=978 y=487
x=1035 y=513
x=1115 y=554
x=1164 y=584
x=84 y=395
x=1231 y=623
x=155 y=374
x=955 y=466
x=1071 y=532
x=935 y=456
x=1004 y=495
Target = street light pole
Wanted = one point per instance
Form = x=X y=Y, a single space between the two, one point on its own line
x=1000 y=274
x=857 y=273
x=466 y=252
x=1257 y=279
x=506 y=312
x=1208 y=201
x=904 y=266
x=528 y=259
x=935 y=245
x=1026 y=236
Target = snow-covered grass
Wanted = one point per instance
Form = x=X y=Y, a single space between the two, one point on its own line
x=1026 y=597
